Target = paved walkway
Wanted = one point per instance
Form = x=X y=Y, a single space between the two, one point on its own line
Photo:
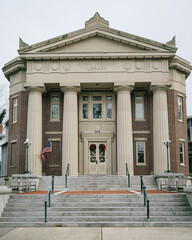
x=95 y=233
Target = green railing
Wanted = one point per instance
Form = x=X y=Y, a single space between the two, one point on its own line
x=146 y=200
x=66 y=174
x=128 y=175
x=48 y=197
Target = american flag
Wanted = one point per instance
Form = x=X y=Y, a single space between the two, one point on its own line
x=47 y=149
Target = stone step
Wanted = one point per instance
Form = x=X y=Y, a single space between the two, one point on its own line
x=98 y=213
x=97 y=219
x=96 y=224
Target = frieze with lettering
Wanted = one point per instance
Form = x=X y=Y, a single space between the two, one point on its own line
x=62 y=66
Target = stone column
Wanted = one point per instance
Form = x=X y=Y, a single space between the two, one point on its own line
x=124 y=130
x=70 y=131
x=34 y=129
x=160 y=128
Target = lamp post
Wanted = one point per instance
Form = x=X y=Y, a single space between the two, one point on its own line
x=167 y=143
x=27 y=143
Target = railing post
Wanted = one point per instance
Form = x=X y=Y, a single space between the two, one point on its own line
x=141 y=177
x=144 y=195
x=129 y=180
x=68 y=169
x=49 y=197
x=126 y=169
x=52 y=183
x=148 y=210
x=66 y=180
x=45 y=220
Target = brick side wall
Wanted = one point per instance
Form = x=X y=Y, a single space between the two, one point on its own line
x=17 y=134
x=146 y=125
x=53 y=161
x=177 y=130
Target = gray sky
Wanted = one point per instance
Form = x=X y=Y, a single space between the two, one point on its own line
x=38 y=20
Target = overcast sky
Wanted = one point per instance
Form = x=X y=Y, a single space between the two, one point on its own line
x=38 y=20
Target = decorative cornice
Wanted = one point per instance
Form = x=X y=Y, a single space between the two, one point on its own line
x=98 y=55
x=13 y=66
x=182 y=65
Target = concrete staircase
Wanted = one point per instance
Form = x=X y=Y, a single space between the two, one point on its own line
x=95 y=210
x=109 y=183
x=97 y=183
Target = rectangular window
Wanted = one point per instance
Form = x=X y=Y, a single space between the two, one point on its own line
x=85 y=111
x=97 y=110
x=139 y=107
x=15 y=106
x=97 y=98
x=109 y=107
x=55 y=107
x=180 y=108
x=181 y=150
x=109 y=110
x=140 y=151
x=85 y=98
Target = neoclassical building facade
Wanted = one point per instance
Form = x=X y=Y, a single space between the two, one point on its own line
x=103 y=98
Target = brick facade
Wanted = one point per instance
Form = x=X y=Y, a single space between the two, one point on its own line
x=17 y=135
x=177 y=131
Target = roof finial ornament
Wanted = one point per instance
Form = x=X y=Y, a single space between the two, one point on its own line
x=172 y=42
x=22 y=44
x=96 y=20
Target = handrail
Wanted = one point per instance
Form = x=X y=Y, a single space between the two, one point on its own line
x=146 y=200
x=128 y=175
x=48 y=197
x=66 y=174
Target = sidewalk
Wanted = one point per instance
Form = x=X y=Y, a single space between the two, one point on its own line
x=96 y=233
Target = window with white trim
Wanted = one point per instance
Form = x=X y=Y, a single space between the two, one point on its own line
x=140 y=152
x=139 y=107
x=55 y=99
x=97 y=107
x=181 y=153
x=15 y=108
x=180 y=108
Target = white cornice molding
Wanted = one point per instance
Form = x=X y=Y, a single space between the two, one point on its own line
x=13 y=66
x=101 y=55
x=181 y=65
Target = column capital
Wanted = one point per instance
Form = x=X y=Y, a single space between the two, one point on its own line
x=159 y=88
x=35 y=89
x=70 y=89
x=123 y=88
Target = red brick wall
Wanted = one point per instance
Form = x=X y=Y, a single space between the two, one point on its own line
x=17 y=131
x=177 y=130
x=146 y=125
x=53 y=161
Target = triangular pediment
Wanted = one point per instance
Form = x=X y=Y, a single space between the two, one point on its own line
x=96 y=44
x=97 y=39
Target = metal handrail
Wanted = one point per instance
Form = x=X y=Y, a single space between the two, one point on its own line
x=66 y=174
x=146 y=200
x=48 y=197
x=128 y=175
